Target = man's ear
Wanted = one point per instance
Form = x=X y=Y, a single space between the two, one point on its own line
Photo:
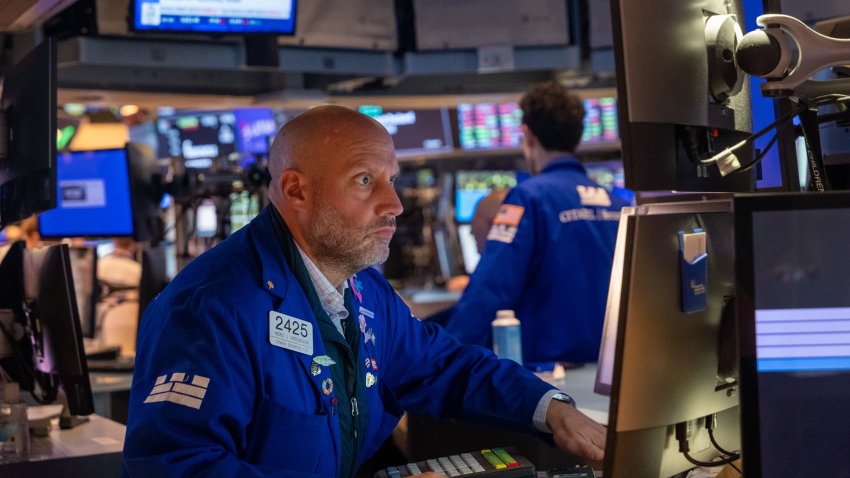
x=294 y=187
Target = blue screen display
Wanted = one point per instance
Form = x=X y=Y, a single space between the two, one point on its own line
x=233 y=16
x=92 y=196
x=472 y=186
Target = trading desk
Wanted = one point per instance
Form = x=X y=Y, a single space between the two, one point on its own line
x=427 y=438
x=89 y=449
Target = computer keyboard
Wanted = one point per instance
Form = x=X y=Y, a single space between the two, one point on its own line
x=488 y=463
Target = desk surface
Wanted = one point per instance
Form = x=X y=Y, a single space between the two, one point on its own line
x=102 y=382
x=90 y=449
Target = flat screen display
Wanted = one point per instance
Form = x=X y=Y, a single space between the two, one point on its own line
x=499 y=125
x=471 y=186
x=489 y=125
x=231 y=16
x=93 y=196
x=600 y=121
x=414 y=131
x=794 y=319
x=197 y=135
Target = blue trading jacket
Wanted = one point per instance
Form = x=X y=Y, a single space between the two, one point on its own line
x=212 y=395
x=548 y=257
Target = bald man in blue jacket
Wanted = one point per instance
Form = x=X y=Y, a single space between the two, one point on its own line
x=281 y=353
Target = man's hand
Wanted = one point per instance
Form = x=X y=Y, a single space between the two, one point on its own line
x=574 y=432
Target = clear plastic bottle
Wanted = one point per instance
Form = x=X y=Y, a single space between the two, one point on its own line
x=14 y=426
x=507 y=338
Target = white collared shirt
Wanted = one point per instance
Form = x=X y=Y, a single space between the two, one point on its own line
x=331 y=298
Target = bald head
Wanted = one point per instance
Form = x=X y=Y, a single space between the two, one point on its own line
x=333 y=182
x=315 y=139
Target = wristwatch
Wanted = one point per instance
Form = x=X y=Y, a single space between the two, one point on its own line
x=563 y=397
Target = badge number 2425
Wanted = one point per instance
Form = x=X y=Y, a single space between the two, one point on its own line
x=290 y=333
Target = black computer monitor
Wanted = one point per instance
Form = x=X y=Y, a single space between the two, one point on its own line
x=671 y=84
x=794 y=328
x=661 y=365
x=46 y=340
x=472 y=186
x=94 y=198
x=28 y=135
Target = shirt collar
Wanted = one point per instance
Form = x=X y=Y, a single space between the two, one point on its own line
x=565 y=161
x=332 y=298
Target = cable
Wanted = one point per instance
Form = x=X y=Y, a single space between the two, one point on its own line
x=760 y=156
x=725 y=461
x=782 y=119
x=719 y=448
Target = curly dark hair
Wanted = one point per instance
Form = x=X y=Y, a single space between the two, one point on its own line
x=554 y=115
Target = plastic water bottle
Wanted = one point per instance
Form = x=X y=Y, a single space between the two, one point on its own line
x=507 y=339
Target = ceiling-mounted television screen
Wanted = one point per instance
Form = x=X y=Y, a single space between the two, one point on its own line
x=198 y=16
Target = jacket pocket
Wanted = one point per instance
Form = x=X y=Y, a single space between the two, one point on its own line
x=287 y=439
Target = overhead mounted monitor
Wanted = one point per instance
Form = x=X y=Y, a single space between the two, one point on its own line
x=233 y=16
x=414 y=131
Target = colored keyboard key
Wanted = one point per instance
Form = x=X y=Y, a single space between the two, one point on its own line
x=493 y=459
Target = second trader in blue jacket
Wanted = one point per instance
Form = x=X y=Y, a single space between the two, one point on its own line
x=281 y=353
x=549 y=251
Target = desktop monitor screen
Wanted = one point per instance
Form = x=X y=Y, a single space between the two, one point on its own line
x=415 y=131
x=675 y=87
x=794 y=327
x=489 y=125
x=93 y=188
x=661 y=365
x=471 y=186
x=27 y=167
x=234 y=16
